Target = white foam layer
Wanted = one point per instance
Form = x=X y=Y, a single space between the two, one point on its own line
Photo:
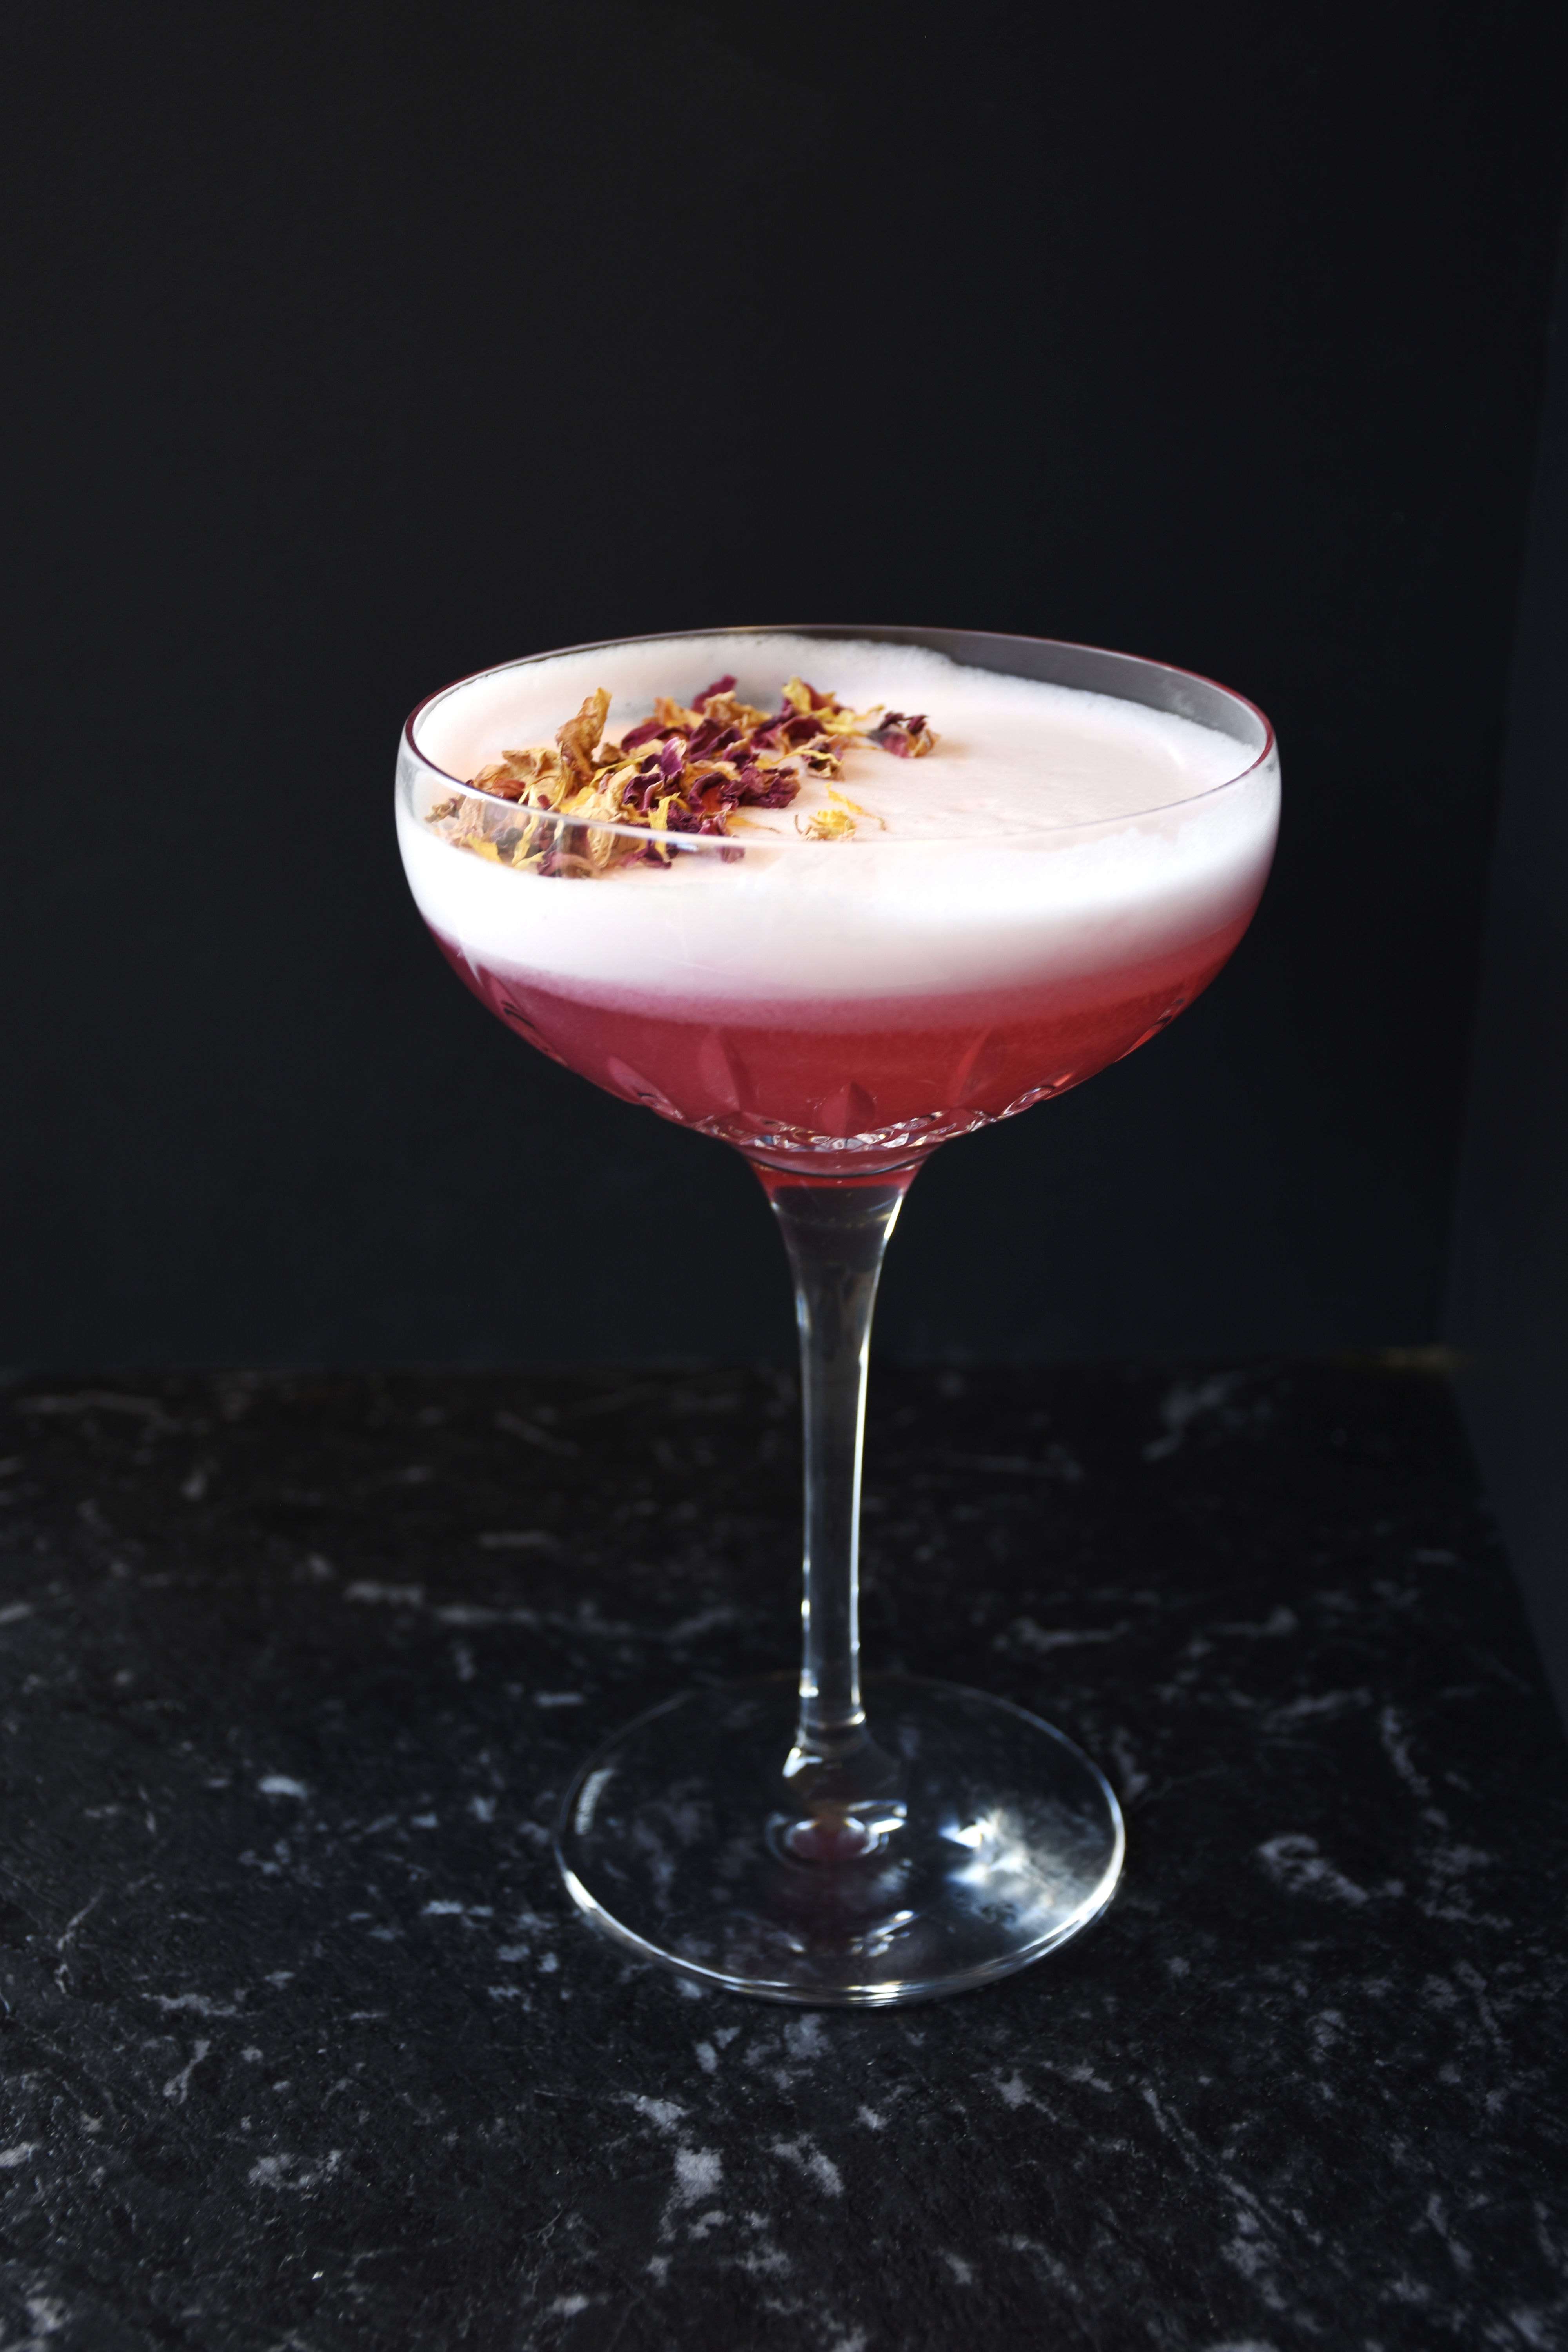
x=1015 y=754
x=1051 y=832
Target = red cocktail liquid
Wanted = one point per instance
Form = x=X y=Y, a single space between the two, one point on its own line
x=881 y=1077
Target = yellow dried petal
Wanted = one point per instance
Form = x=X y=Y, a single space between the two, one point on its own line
x=579 y=736
x=828 y=824
x=846 y=722
x=845 y=802
x=729 y=710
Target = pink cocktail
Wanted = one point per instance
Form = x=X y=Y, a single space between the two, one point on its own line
x=837 y=978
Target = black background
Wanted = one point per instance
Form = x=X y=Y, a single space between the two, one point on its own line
x=362 y=345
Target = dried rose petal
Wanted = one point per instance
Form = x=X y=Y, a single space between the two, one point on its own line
x=698 y=768
x=906 y=739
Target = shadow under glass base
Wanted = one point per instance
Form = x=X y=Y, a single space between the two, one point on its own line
x=1005 y=1841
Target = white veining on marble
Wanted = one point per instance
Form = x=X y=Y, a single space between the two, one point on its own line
x=667 y=2115
x=1297 y=1867
x=1039 y=1641
x=201 y=2003
x=1185 y=1403
x=699 y=2173
x=285 y=2171
x=811 y=2161
x=178 y=2085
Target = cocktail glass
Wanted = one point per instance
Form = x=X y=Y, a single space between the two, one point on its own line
x=815 y=1840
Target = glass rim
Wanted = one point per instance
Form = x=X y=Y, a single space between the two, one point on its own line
x=867 y=633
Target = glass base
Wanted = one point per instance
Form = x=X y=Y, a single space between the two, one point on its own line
x=993 y=1839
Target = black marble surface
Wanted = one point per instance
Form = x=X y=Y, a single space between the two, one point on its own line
x=304 y=2047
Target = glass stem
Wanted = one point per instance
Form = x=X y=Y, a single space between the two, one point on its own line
x=835 y=1233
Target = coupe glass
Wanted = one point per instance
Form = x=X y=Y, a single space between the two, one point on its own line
x=815 y=1840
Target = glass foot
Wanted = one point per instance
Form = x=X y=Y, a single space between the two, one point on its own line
x=996 y=1839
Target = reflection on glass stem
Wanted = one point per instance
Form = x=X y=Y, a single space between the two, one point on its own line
x=844 y=1794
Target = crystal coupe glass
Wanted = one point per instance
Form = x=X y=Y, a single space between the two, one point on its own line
x=815 y=1840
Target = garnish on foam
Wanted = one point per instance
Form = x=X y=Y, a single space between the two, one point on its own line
x=684 y=770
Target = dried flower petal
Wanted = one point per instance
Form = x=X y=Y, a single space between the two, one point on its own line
x=684 y=770
x=827 y=824
x=579 y=736
x=837 y=824
x=906 y=739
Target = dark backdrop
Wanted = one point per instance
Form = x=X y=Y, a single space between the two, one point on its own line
x=366 y=344
x=1507 y=1316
